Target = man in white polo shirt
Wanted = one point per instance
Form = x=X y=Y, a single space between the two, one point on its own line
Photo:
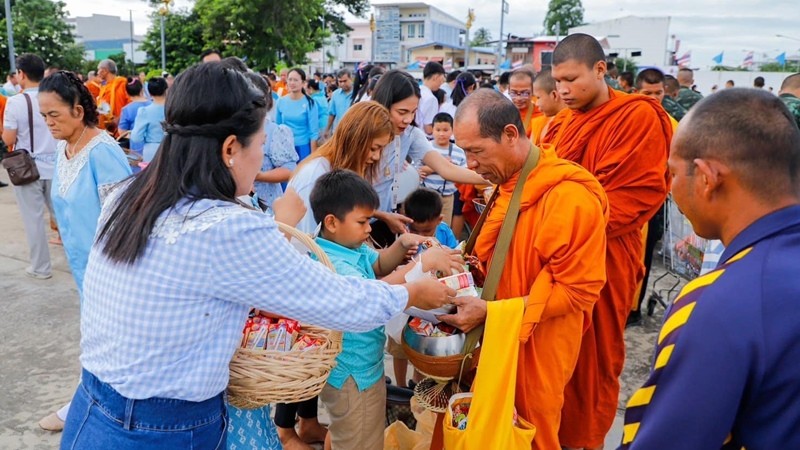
x=434 y=76
x=32 y=198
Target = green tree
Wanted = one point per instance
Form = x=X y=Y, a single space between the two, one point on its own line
x=40 y=27
x=482 y=37
x=264 y=32
x=626 y=65
x=183 y=37
x=563 y=15
x=775 y=67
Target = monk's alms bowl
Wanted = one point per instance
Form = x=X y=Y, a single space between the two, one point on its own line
x=434 y=346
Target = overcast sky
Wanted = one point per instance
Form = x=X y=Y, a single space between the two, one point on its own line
x=706 y=27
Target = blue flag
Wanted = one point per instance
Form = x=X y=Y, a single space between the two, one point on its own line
x=506 y=64
x=781 y=59
x=718 y=59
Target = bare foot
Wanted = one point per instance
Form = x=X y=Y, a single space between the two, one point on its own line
x=311 y=431
x=291 y=441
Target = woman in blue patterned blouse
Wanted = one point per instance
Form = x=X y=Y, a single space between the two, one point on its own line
x=177 y=264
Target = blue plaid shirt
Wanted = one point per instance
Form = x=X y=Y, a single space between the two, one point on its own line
x=168 y=325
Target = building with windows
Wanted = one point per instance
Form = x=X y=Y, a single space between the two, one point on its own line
x=403 y=26
x=646 y=40
x=103 y=35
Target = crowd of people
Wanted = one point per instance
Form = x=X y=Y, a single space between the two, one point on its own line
x=165 y=194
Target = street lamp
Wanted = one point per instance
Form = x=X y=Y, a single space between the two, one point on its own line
x=468 y=25
x=503 y=12
x=787 y=37
x=163 y=11
x=10 y=31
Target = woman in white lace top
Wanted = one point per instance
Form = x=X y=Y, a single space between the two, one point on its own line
x=176 y=266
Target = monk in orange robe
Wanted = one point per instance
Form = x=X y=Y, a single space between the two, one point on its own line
x=279 y=87
x=548 y=102
x=623 y=140
x=556 y=260
x=520 y=89
x=112 y=97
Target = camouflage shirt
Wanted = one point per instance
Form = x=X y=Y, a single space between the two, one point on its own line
x=793 y=103
x=612 y=83
x=687 y=97
x=673 y=108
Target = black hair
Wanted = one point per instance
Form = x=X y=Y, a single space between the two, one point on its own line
x=751 y=131
x=440 y=95
x=395 y=86
x=463 y=82
x=157 y=86
x=134 y=87
x=235 y=63
x=210 y=51
x=628 y=77
x=649 y=76
x=423 y=205
x=261 y=83
x=313 y=84
x=72 y=92
x=505 y=77
x=494 y=112
x=339 y=192
x=758 y=82
x=545 y=80
x=432 y=68
x=579 y=47
x=344 y=72
x=443 y=117
x=210 y=103
x=452 y=76
x=302 y=89
x=32 y=65
x=362 y=86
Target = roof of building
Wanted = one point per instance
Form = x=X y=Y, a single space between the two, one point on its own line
x=420 y=5
x=454 y=47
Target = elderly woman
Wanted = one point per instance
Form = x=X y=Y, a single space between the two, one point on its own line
x=176 y=266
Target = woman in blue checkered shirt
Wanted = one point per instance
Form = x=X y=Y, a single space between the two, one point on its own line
x=176 y=266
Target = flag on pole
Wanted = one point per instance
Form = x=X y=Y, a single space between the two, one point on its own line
x=506 y=64
x=748 y=60
x=517 y=64
x=781 y=59
x=685 y=60
x=677 y=45
x=448 y=65
x=718 y=59
x=413 y=66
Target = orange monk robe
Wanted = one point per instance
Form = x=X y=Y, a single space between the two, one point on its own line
x=534 y=112
x=624 y=143
x=3 y=101
x=538 y=125
x=557 y=257
x=94 y=89
x=280 y=88
x=115 y=95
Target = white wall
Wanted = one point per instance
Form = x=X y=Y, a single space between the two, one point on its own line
x=650 y=35
x=705 y=79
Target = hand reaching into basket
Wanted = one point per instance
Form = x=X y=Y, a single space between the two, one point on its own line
x=444 y=260
x=429 y=293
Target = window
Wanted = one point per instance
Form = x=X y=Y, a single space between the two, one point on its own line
x=358 y=47
x=421 y=33
x=412 y=30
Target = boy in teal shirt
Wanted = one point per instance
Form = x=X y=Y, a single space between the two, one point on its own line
x=343 y=204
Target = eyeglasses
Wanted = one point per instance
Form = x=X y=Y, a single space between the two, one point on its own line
x=524 y=94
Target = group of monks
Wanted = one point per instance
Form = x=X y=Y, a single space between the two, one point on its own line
x=577 y=255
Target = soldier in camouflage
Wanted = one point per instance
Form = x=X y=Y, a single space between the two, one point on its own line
x=671 y=89
x=687 y=97
x=790 y=95
x=611 y=75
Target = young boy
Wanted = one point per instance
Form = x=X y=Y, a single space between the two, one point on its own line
x=355 y=395
x=424 y=207
x=442 y=132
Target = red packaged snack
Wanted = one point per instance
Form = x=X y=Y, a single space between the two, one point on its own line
x=420 y=326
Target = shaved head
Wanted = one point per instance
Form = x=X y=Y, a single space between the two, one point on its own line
x=579 y=47
x=523 y=72
x=494 y=113
x=545 y=81
x=791 y=84
x=750 y=131
x=686 y=77
x=671 y=85
x=650 y=76
x=109 y=65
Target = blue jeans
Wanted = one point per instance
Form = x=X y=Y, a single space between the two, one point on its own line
x=101 y=418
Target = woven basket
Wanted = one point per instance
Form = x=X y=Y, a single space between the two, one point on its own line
x=261 y=377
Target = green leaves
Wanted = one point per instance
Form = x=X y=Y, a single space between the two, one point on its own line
x=562 y=15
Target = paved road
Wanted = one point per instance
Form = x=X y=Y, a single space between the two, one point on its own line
x=39 y=337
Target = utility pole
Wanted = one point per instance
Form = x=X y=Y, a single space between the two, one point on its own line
x=503 y=12
x=467 y=43
x=133 y=58
x=10 y=31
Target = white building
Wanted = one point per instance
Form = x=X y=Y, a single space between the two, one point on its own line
x=356 y=46
x=627 y=35
x=400 y=26
x=103 y=35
